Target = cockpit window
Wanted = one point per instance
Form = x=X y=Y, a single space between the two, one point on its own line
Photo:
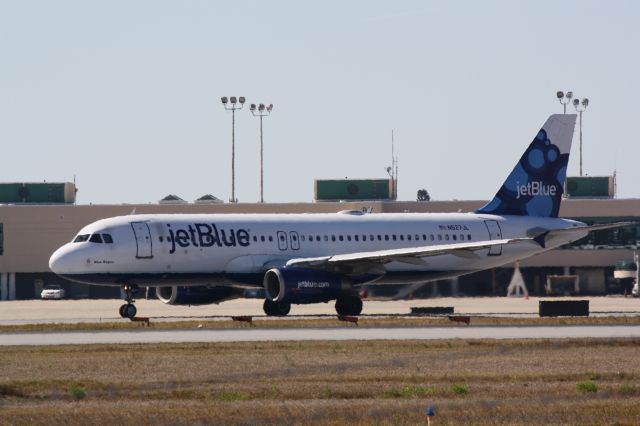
x=95 y=238
x=107 y=238
x=81 y=238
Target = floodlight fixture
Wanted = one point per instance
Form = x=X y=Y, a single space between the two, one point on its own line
x=233 y=107
x=261 y=111
x=580 y=106
x=564 y=99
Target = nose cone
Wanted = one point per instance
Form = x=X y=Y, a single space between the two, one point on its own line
x=59 y=262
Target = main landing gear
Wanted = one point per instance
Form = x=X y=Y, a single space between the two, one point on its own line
x=349 y=305
x=128 y=310
x=346 y=305
x=276 y=309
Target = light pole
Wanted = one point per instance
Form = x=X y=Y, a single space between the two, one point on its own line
x=581 y=106
x=564 y=99
x=232 y=104
x=261 y=111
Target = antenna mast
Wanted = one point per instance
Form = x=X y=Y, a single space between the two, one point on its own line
x=394 y=167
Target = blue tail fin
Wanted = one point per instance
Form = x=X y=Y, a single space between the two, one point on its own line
x=535 y=186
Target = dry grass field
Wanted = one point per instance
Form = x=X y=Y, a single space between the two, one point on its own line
x=326 y=383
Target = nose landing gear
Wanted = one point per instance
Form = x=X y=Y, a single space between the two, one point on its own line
x=128 y=310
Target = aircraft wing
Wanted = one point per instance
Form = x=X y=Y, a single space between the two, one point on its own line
x=412 y=255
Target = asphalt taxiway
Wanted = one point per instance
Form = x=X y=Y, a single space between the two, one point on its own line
x=315 y=334
x=106 y=310
x=95 y=311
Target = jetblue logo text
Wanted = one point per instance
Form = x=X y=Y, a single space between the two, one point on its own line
x=534 y=188
x=205 y=235
x=313 y=284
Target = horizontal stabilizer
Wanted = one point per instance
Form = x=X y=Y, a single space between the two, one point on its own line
x=541 y=236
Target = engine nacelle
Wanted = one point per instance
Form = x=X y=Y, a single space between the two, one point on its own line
x=301 y=286
x=197 y=295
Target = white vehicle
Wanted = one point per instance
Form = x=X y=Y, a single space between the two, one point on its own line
x=52 y=291
x=312 y=258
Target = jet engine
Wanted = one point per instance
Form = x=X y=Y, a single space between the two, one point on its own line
x=302 y=286
x=197 y=295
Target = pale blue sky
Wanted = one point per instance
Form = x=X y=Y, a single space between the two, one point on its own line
x=126 y=94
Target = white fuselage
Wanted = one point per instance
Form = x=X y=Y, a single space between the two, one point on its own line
x=159 y=250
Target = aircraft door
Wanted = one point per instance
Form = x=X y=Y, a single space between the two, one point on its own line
x=295 y=240
x=282 y=240
x=144 y=246
x=495 y=233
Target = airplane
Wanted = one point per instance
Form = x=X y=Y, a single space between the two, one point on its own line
x=313 y=258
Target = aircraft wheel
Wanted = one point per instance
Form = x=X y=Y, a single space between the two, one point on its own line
x=130 y=310
x=348 y=305
x=122 y=308
x=276 y=309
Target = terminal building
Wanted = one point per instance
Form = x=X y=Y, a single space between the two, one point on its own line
x=35 y=219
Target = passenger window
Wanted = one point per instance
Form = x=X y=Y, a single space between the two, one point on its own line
x=255 y=239
x=439 y=237
x=386 y=237
x=431 y=237
x=349 y=237
x=461 y=237
x=95 y=238
x=356 y=238
x=371 y=237
x=107 y=238
x=317 y=237
x=469 y=237
x=394 y=237
x=281 y=237
x=446 y=237
x=401 y=237
x=262 y=238
x=424 y=237
x=326 y=238
x=270 y=238
x=455 y=237
x=301 y=238
x=380 y=237
x=333 y=238
x=81 y=238
x=340 y=238
x=294 y=237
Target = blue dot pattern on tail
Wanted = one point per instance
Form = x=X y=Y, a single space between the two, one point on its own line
x=535 y=186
